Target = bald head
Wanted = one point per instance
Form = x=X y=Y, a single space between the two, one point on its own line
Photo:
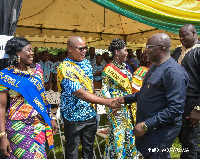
x=158 y=48
x=161 y=39
x=73 y=40
x=188 y=35
x=188 y=27
x=76 y=48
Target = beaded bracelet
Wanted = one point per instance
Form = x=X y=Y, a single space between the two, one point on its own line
x=2 y=134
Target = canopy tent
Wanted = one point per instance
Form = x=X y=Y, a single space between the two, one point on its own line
x=49 y=23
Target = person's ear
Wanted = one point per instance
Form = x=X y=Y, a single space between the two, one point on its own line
x=69 y=49
x=18 y=53
x=117 y=53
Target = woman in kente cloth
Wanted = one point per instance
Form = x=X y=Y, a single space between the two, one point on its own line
x=139 y=74
x=28 y=123
x=117 y=82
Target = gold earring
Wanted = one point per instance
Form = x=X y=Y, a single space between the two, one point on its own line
x=18 y=59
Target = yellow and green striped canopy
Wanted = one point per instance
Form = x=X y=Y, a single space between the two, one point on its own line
x=167 y=15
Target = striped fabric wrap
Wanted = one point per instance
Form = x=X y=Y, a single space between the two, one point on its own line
x=162 y=14
x=141 y=71
x=26 y=129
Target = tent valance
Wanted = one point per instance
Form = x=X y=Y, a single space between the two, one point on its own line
x=161 y=14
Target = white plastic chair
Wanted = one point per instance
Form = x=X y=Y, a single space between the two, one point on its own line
x=101 y=109
x=54 y=98
x=61 y=134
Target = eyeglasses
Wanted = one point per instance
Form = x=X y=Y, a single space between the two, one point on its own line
x=81 y=48
x=148 y=46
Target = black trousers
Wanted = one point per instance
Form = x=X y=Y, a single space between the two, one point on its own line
x=76 y=130
x=189 y=135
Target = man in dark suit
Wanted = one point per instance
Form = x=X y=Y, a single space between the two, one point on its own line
x=160 y=101
x=188 y=56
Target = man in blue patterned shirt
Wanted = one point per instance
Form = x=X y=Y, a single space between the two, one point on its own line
x=75 y=82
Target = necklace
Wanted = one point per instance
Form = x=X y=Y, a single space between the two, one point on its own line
x=16 y=70
x=122 y=66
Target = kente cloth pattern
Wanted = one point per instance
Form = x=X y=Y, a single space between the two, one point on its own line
x=30 y=87
x=26 y=128
x=120 y=141
x=72 y=76
x=46 y=68
x=138 y=77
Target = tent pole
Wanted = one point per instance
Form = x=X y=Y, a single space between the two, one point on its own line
x=104 y=17
x=125 y=38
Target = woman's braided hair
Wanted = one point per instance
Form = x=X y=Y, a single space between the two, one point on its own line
x=116 y=44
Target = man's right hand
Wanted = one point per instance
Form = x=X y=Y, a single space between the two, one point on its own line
x=114 y=103
x=194 y=117
x=121 y=99
x=5 y=146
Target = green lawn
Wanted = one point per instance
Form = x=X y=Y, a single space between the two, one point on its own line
x=103 y=121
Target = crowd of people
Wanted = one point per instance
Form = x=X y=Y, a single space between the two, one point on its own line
x=49 y=64
x=152 y=98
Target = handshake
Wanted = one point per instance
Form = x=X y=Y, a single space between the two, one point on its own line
x=115 y=103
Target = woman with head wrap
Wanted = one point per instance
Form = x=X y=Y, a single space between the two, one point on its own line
x=117 y=82
x=28 y=123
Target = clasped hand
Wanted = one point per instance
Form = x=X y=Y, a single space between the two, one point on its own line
x=115 y=103
x=138 y=130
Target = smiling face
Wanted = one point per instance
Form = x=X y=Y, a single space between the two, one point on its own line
x=122 y=54
x=187 y=37
x=76 y=51
x=26 y=55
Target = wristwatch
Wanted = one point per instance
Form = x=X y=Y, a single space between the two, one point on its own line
x=144 y=127
x=197 y=107
x=2 y=134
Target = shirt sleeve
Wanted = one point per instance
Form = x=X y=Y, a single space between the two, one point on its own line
x=175 y=85
x=130 y=98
